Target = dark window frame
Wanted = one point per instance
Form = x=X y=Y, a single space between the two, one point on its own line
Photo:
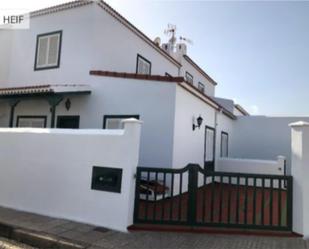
x=213 y=146
x=32 y=117
x=190 y=75
x=68 y=116
x=105 y=117
x=143 y=58
x=37 y=46
x=227 y=149
x=201 y=87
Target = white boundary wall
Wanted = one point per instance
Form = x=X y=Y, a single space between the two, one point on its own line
x=49 y=171
x=251 y=166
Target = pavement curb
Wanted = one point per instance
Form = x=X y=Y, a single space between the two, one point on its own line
x=38 y=239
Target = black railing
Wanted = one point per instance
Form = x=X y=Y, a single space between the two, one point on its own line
x=195 y=197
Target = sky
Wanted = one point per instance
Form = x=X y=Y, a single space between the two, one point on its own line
x=257 y=51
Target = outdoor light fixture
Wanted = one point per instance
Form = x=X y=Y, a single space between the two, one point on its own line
x=199 y=121
x=68 y=104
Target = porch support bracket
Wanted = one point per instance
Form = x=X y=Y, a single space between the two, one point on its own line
x=13 y=103
x=53 y=102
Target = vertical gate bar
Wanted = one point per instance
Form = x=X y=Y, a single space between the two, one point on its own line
x=147 y=196
x=163 y=198
x=212 y=198
x=137 y=195
x=155 y=197
x=246 y=200
x=289 y=200
x=172 y=195
x=180 y=197
x=254 y=202
x=271 y=203
x=263 y=201
x=192 y=192
x=229 y=201
x=220 y=200
x=204 y=198
x=237 y=201
x=279 y=204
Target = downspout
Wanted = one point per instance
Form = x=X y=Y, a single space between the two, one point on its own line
x=218 y=111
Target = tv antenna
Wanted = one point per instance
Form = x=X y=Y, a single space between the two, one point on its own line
x=171 y=31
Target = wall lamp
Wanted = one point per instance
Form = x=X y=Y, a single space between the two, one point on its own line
x=199 y=122
x=67 y=104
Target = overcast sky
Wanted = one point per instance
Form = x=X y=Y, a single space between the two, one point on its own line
x=256 y=51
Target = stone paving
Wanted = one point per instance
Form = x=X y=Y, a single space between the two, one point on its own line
x=108 y=239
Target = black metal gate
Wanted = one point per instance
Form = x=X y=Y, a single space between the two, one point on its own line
x=196 y=197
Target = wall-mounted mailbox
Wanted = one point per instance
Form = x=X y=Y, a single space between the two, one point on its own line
x=106 y=179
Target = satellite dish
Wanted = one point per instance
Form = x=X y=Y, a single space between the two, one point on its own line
x=157 y=41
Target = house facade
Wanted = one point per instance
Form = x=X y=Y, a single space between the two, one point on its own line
x=83 y=65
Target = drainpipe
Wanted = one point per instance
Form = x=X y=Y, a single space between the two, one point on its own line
x=216 y=125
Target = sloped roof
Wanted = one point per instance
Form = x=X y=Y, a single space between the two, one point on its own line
x=44 y=89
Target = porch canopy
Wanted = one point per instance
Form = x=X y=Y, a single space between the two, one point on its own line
x=54 y=94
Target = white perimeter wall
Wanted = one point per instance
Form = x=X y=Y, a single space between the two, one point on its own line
x=251 y=166
x=261 y=137
x=49 y=172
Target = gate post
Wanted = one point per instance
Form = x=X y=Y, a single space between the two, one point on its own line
x=192 y=193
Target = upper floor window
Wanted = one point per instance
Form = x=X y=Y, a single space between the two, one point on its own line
x=189 y=78
x=115 y=121
x=143 y=66
x=48 y=47
x=224 y=144
x=201 y=87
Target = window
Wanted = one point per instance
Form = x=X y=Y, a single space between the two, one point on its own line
x=224 y=144
x=114 y=121
x=48 y=48
x=31 y=121
x=68 y=122
x=189 y=78
x=143 y=66
x=201 y=87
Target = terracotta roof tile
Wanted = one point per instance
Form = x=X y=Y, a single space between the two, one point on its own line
x=136 y=76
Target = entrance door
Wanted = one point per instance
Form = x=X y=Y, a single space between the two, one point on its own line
x=209 y=154
x=68 y=122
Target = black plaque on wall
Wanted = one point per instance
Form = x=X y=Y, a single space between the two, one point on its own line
x=106 y=179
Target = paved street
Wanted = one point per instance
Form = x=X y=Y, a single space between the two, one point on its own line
x=94 y=238
x=8 y=244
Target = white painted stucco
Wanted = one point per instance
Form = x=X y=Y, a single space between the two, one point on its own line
x=300 y=173
x=57 y=180
x=91 y=40
x=189 y=144
x=261 y=137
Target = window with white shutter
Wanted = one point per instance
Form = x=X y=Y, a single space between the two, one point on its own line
x=48 y=49
x=115 y=121
x=31 y=121
x=143 y=66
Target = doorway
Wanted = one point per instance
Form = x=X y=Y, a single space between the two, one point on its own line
x=68 y=122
